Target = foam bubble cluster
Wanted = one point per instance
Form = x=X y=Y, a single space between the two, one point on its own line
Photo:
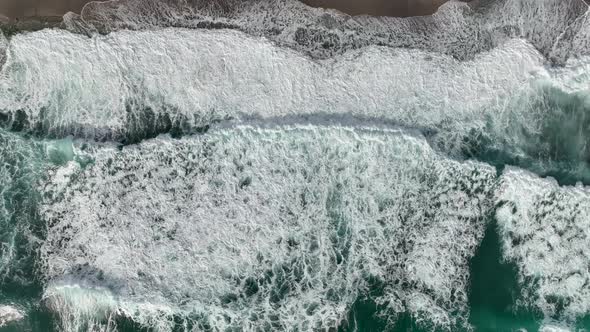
x=82 y=309
x=267 y=228
x=544 y=230
x=9 y=314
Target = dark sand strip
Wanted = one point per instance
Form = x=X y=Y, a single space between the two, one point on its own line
x=27 y=9
x=397 y=8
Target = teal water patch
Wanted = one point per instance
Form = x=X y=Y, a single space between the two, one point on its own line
x=366 y=314
x=142 y=122
x=549 y=134
x=36 y=319
x=19 y=170
x=494 y=290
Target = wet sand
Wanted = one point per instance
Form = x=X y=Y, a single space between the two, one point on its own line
x=398 y=8
x=25 y=9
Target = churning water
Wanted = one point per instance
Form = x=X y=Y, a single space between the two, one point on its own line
x=265 y=166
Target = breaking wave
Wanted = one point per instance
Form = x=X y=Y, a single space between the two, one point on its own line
x=506 y=106
x=132 y=85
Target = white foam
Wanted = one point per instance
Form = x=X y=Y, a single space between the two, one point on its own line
x=248 y=227
x=573 y=76
x=545 y=231
x=555 y=328
x=128 y=83
x=9 y=314
x=82 y=308
x=3 y=47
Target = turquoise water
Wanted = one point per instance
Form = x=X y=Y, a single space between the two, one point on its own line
x=494 y=292
x=558 y=147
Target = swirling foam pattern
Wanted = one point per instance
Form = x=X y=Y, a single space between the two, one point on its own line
x=546 y=233
x=276 y=228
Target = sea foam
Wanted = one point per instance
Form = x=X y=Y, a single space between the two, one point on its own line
x=544 y=231
x=269 y=228
x=265 y=221
x=9 y=314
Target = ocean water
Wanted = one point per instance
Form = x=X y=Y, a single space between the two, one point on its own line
x=267 y=166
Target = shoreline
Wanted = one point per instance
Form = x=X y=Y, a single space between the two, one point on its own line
x=12 y=27
x=33 y=15
x=14 y=11
x=27 y=10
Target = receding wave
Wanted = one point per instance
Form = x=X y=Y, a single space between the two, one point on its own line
x=557 y=28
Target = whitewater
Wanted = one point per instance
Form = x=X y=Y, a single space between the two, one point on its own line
x=266 y=166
